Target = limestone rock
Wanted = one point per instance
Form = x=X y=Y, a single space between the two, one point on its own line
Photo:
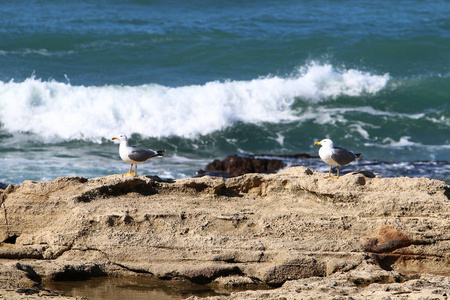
x=286 y=229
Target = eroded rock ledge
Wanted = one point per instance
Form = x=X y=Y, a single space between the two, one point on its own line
x=287 y=229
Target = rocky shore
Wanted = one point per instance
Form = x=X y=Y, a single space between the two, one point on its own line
x=304 y=236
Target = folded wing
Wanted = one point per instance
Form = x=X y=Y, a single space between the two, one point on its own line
x=139 y=154
x=343 y=156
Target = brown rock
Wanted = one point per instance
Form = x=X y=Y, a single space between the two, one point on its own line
x=235 y=165
x=366 y=282
x=278 y=229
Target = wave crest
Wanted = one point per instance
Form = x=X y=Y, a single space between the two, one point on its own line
x=55 y=110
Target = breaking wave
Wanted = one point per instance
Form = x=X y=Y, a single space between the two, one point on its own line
x=57 y=110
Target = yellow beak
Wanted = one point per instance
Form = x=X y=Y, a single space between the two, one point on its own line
x=317 y=143
x=114 y=138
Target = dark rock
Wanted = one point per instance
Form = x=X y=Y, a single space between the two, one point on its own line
x=366 y=173
x=27 y=291
x=292 y=156
x=235 y=165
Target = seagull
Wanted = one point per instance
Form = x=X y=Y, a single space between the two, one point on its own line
x=335 y=156
x=134 y=155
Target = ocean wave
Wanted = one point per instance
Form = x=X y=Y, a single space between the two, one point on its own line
x=38 y=52
x=404 y=142
x=55 y=110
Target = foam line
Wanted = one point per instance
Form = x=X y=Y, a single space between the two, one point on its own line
x=55 y=110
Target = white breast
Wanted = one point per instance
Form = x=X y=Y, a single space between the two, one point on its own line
x=325 y=154
x=123 y=151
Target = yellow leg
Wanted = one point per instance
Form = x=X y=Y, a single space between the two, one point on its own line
x=129 y=172
x=329 y=172
x=336 y=177
x=135 y=170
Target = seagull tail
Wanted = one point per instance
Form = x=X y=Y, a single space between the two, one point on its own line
x=359 y=155
x=160 y=153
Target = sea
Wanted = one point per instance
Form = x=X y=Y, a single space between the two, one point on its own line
x=208 y=79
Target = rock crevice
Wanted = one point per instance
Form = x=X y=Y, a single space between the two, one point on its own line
x=272 y=229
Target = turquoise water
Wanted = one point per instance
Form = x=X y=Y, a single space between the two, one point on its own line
x=206 y=79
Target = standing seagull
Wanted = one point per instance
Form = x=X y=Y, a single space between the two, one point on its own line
x=134 y=155
x=335 y=156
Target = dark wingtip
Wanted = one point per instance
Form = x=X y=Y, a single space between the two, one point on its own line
x=161 y=152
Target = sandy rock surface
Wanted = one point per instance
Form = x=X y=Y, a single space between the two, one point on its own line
x=296 y=231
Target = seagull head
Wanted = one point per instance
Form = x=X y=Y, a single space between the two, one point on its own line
x=121 y=138
x=325 y=143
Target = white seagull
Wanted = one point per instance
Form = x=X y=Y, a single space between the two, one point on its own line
x=134 y=155
x=335 y=156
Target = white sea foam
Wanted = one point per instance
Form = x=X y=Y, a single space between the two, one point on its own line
x=404 y=142
x=41 y=52
x=55 y=110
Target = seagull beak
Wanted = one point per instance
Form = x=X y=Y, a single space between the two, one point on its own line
x=114 y=138
x=317 y=143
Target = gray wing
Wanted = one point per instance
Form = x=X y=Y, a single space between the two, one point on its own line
x=139 y=154
x=343 y=156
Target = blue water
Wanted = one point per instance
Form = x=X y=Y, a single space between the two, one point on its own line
x=206 y=79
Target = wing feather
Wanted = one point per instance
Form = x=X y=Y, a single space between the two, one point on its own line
x=342 y=156
x=141 y=155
